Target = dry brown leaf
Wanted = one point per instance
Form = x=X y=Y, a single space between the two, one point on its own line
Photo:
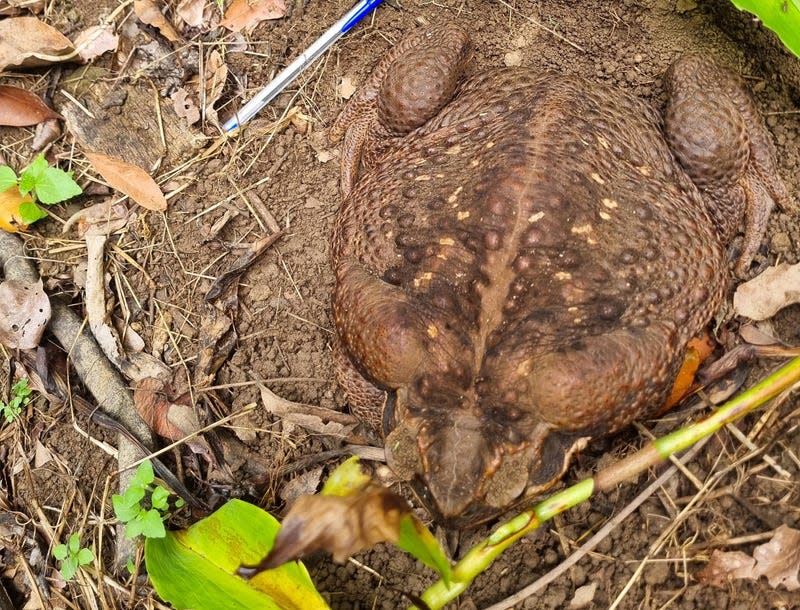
x=769 y=292
x=129 y=179
x=26 y=42
x=346 y=88
x=247 y=14
x=20 y=108
x=191 y=11
x=148 y=12
x=24 y=313
x=314 y=419
x=215 y=74
x=725 y=565
x=340 y=525
x=184 y=106
x=172 y=417
x=95 y=41
x=46 y=133
x=779 y=559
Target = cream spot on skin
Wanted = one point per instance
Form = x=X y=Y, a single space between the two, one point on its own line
x=611 y=204
x=644 y=170
x=572 y=309
x=490 y=145
x=447 y=241
x=605 y=215
x=577 y=320
x=452 y=198
x=597 y=178
x=602 y=141
x=463 y=215
x=582 y=229
x=422 y=277
x=453 y=150
x=563 y=276
x=536 y=217
x=524 y=368
x=432 y=331
x=475 y=163
x=423 y=178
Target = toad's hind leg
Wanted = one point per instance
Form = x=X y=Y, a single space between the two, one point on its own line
x=716 y=134
x=409 y=86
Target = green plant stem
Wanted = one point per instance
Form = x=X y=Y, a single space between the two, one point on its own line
x=484 y=553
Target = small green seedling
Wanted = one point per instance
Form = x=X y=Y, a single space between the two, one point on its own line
x=72 y=556
x=38 y=183
x=20 y=396
x=143 y=506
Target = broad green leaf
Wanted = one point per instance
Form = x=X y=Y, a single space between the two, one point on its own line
x=68 y=567
x=346 y=479
x=194 y=568
x=60 y=552
x=780 y=16
x=143 y=475
x=159 y=498
x=8 y=177
x=74 y=544
x=417 y=540
x=56 y=185
x=29 y=212
x=124 y=509
x=152 y=524
x=32 y=174
x=85 y=556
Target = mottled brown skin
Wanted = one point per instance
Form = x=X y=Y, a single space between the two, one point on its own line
x=522 y=258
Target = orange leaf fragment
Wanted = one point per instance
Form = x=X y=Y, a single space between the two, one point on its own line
x=20 y=108
x=247 y=14
x=10 y=217
x=129 y=179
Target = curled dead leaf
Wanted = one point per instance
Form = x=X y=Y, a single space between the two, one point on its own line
x=20 y=108
x=24 y=313
x=340 y=525
x=26 y=42
x=191 y=11
x=129 y=179
x=247 y=14
x=95 y=41
x=778 y=559
x=184 y=106
x=148 y=12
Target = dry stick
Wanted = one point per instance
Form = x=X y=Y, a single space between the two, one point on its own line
x=601 y=534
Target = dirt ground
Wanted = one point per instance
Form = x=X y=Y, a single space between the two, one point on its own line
x=283 y=317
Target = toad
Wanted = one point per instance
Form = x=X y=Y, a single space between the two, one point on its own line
x=522 y=258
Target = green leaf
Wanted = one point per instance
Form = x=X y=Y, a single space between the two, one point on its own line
x=194 y=568
x=85 y=556
x=780 y=16
x=29 y=212
x=68 y=567
x=8 y=178
x=56 y=185
x=143 y=475
x=131 y=566
x=32 y=174
x=74 y=544
x=124 y=509
x=417 y=540
x=21 y=388
x=159 y=498
x=60 y=552
x=153 y=524
x=346 y=479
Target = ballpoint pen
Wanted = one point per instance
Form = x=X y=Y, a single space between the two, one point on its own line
x=306 y=58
